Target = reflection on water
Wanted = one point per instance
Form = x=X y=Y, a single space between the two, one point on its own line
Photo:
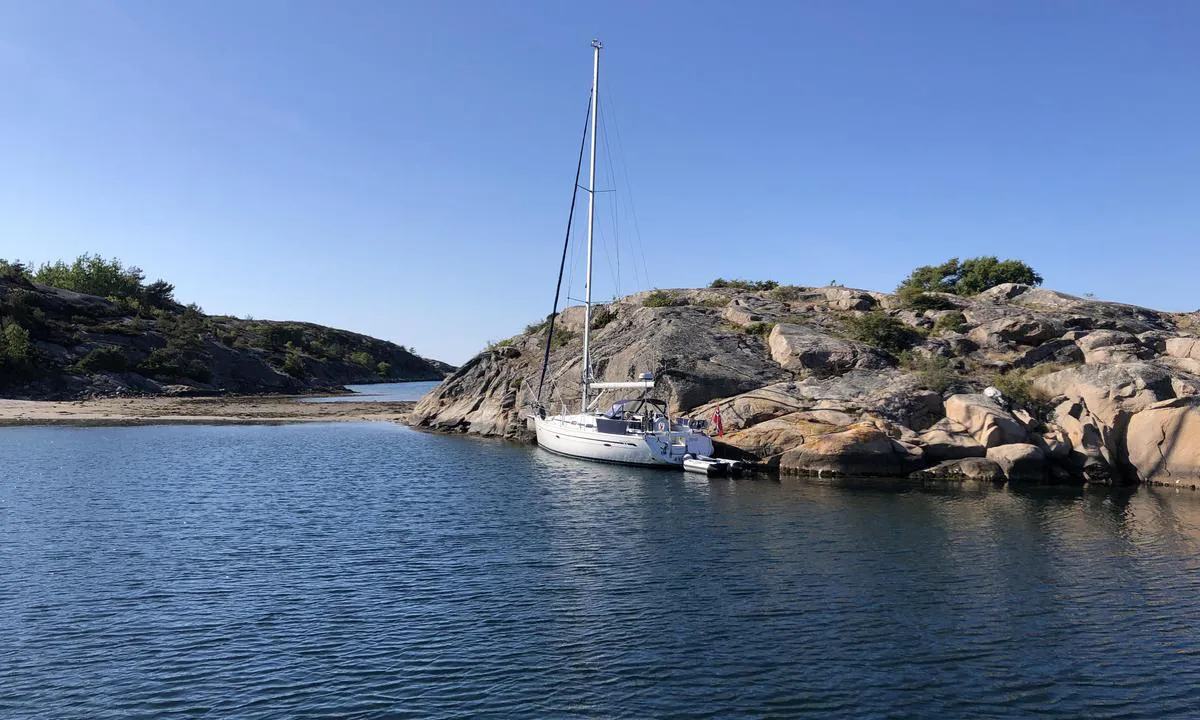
x=367 y=569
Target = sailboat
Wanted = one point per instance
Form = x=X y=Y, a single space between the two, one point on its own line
x=632 y=431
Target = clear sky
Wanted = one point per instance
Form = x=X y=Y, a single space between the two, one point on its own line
x=403 y=169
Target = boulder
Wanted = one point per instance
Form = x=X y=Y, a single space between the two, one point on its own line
x=1054 y=442
x=1021 y=462
x=1111 y=346
x=799 y=347
x=1110 y=392
x=1059 y=350
x=1018 y=328
x=840 y=298
x=1003 y=292
x=984 y=419
x=947 y=440
x=863 y=450
x=773 y=437
x=1095 y=403
x=1183 y=347
x=971 y=468
x=1163 y=442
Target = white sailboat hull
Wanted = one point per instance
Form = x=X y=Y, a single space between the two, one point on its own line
x=572 y=436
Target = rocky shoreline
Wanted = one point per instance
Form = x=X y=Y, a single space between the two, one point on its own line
x=836 y=381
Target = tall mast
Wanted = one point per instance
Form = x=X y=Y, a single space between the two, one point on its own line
x=587 y=293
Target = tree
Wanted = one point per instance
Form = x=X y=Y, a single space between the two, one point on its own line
x=968 y=277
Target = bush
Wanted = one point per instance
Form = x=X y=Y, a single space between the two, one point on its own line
x=717 y=301
x=562 y=337
x=362 y=358
x=537 y=327
x=881 y=330
x=660 y=298
x=758 y=285
x=602 y=316
x=968 y=277
x=761 y=329
x=105 y=357
x=383 y=369
x=15 y=347
x=954 y=322
x=785 y=293
x=932 y=372
x=293 y=364
x=916 y=299
x=14 y=270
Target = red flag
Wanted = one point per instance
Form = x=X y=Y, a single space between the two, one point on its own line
x=716 y=421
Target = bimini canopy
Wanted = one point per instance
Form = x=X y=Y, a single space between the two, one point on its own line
x=635 y=406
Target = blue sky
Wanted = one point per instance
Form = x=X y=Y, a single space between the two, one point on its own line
x=404 y=169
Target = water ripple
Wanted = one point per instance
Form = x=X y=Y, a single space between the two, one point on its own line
x=369 y=571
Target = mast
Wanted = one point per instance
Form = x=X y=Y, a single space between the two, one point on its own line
x=591 y=218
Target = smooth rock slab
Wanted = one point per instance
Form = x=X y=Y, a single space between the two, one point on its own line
x=984 y=419
x=1164 y=442
x=1021 y=462
x=860 y=450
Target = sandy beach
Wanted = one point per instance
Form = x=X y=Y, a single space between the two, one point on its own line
x=195 y=411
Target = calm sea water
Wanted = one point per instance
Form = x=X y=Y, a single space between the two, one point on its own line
x=382 y=392
x=372 y=571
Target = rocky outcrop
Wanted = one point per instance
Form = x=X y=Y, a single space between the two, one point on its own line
x=1019 y=462
x=862 y=450
x=804 y=387
x=74 y=345
x=1163 y=442
x=983 y=418
x=798 y=348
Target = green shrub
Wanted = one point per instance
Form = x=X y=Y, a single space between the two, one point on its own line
x=602 y=315
x=293 y=364
x=164 y=362
x=716 y=301
x=757 y=285
x=660 y=298
x=914 y=298
x=105 y=357
x=1017 y=385
x=968 y=277
x=954 y=322
x=562 y=337
x=761 y=329
x=383 y=369
x=785 y=293
x=14 y=271
x=15 y=348
x=537 y=327
x=933 y=372
x=881 y=330
x=362 y=358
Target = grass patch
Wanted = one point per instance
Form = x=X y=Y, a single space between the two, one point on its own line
x=762 y=329
x=661 y=298
x=932 y=372
x=719 y=301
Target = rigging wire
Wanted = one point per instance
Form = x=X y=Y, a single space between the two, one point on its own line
x=562 y=263
x=611 y=105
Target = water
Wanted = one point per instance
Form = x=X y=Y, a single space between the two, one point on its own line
x=372 y=571
x=382 y=392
